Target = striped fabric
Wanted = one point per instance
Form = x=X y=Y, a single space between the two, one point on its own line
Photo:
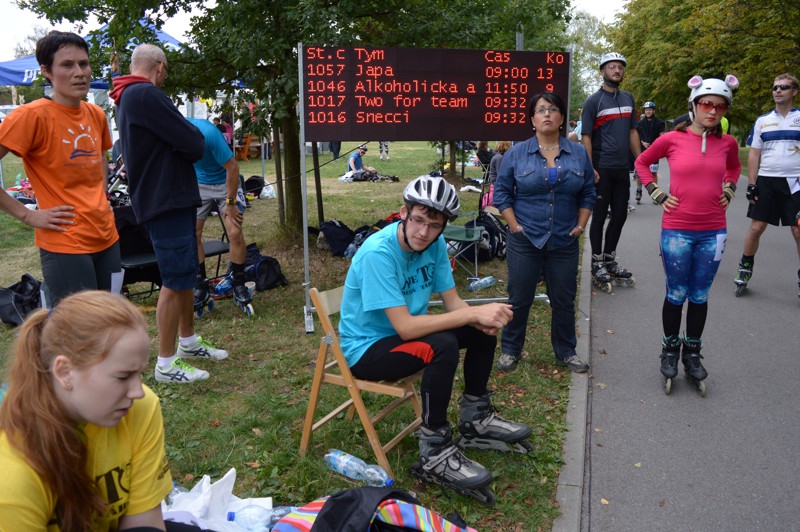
x=391 y=511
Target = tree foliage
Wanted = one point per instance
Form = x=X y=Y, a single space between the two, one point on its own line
x=254 y=43
x=668 y=41
x=587 y=39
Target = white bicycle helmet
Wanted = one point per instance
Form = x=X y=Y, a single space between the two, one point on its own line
x=713 y=86
x=435 y=193
x=612 y=56
x=649 y=105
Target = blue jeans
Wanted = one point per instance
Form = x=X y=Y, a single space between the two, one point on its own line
x=691 y=260
x=560 y=266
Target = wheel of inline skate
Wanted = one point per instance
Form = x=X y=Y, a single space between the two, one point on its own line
x=668 y=386
x=210 y=305
x=249 y=310
x=740 y=289
x=526 y=445
x=702 y=389
x=485 y=496
x=199 y=312
x=605 y=287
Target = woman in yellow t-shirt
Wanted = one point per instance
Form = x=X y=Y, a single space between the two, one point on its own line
x=81 y=438
x=62 y=141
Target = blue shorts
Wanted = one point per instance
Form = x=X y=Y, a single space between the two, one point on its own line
x=691 y=260
x=175 y=245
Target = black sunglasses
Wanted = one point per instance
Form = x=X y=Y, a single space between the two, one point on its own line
x=782 y=87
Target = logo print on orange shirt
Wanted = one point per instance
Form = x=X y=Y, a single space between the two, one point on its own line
x=83 y=144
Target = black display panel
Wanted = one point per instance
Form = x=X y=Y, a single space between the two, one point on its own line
x=425 y=94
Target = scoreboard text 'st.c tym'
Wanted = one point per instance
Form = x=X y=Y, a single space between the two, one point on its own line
x=425 y=94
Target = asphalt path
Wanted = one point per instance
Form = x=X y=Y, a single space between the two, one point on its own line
x=729 y=461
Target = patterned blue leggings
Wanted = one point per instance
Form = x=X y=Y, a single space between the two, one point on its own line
x=691 y=260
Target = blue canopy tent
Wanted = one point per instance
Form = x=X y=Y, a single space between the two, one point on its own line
x=25 y=70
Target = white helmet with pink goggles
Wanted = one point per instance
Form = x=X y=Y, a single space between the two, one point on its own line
x=713 y=86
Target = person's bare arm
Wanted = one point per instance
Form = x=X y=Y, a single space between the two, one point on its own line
x=635 y=143
x=152 y=518
x=54 y=218
x=586 y=140
x=753 y=160
x=489 y=318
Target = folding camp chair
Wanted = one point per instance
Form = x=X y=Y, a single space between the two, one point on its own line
x=462 y=242
x=217 y=247
x=337 y=372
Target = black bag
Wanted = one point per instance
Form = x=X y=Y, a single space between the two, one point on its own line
x=493 y=236
x=337 y=235
x=254 y=185
x=19 y=300
x=263 y=270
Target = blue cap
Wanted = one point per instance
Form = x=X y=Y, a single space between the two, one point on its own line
x=231 y=516
x=389 y=483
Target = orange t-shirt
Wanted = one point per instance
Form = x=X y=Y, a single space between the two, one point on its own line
x=61 y=147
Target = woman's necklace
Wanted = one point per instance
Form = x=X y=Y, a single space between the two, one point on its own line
x=549 y=148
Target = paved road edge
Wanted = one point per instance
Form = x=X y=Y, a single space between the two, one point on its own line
x=569 y=493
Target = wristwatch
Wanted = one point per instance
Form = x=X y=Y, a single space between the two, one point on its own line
x=230 y=201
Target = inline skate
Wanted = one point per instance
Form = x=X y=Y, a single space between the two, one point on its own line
x=600 y=276
x=743 y=276
x=441 y=463
x=202 y=298
x=619 y=275
x=639 y=195
x=242 y=297
x=482 y=428
x=692 y=367
x=670 y=353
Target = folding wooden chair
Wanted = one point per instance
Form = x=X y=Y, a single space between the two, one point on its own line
x=242 y=150
x=337 y=372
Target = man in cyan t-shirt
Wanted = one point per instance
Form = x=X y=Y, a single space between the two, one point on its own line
x=218 y=180
x=387 y=333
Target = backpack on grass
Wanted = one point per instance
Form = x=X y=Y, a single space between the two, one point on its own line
x=19 y=300
x=265 y=271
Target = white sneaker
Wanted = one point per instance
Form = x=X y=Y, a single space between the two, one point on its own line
x=179 y=372
x=202 y=349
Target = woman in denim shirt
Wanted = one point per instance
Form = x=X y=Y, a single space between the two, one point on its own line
x=545 y=191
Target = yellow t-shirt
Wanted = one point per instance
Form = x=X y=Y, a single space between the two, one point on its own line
x=61 y=148
x=128 y=461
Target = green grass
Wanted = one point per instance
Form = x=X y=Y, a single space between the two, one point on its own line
x=249 y=414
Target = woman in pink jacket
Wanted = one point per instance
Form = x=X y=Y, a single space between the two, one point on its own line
x=704 y=168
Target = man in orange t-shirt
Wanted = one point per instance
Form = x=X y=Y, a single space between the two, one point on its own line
x=62 y=141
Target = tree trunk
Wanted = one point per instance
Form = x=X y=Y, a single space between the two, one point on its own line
x=294 y=194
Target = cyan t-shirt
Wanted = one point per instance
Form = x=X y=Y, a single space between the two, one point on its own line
x=209 y=169
x=383 y=276
x=357 y=163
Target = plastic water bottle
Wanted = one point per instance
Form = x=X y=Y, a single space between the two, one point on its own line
x=355 y=468
x=257 y=518
x=484 y=282
x=176 y=489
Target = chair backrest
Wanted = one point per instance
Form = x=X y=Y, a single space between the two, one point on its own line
x=327 y=304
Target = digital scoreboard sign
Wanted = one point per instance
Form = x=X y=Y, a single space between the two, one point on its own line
x=424 y=94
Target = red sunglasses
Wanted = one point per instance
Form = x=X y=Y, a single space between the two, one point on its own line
x=707 y=105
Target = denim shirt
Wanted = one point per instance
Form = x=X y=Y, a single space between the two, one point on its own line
x=547 y=213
